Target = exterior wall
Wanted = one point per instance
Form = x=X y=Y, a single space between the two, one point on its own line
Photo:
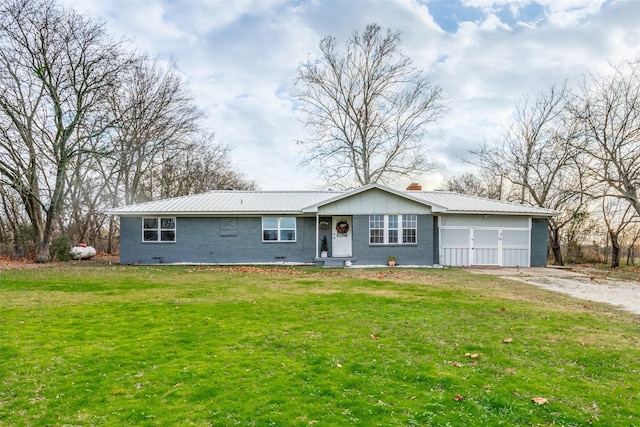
x=374 y=202
x=539 y=236
x=420 y=253
x=211 y=240
x=491 y=221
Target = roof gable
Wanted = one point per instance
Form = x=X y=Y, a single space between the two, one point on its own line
x=371 y=198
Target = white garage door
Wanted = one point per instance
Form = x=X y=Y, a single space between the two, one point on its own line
x=484 y=246
x=454 y=246
x=515 y=248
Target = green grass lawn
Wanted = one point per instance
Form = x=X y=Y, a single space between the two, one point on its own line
x=84 y=346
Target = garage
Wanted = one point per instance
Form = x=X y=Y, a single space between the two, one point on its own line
x=484 y=240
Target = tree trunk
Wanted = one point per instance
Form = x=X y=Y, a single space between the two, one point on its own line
x=555 y=247
x=110 y=235
x=615 y=250
x=42 y=254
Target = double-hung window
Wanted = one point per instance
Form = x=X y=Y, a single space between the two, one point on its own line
x=393 y=229
x=158 y=229
x=278 y=229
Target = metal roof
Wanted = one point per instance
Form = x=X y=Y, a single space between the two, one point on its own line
x=462 y=203
x=228 y=202
x=231 y=202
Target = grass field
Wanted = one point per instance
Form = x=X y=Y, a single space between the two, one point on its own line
x=243 y=346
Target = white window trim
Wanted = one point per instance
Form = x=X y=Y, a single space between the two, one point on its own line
x=295 y=229
x=399 y=228
x=160 y=230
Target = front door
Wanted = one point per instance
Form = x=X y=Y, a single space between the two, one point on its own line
x=341 y=247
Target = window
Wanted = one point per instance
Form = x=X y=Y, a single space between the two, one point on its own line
x=393 y=229
x=278 y=229
x=409 y=228
x=158 y=229
x=376 y=228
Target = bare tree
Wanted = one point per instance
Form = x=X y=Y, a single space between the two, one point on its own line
x=481 y=185
x=16 y=237
x=367 y=109
x=608 y=109
x=56 y=68
x=157 y=118
x=538 y=161
x=200 y=167
x=617 y=214
x=632 y=238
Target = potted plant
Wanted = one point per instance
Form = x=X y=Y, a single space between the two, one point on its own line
x=324 y=248
x=392 y=261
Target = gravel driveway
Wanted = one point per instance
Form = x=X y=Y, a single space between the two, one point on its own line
x=623 y=294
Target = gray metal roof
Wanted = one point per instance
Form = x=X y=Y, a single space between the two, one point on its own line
x=297 y=202
x=462 y=203
x=229 y=202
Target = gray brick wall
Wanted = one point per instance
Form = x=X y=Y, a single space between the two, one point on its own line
x=539 y=236
x=216 y=240
x=418 y=254
x=239 y=240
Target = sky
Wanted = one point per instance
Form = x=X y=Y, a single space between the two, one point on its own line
x=240 y=59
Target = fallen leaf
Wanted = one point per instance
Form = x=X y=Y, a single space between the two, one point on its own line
x=458 y=398
x=375 y=337
x=338 y=365
x=540 y=400
x=474 y=355
x=508 y=340
x=474 y=363
x=180 y=384
x=459 y=365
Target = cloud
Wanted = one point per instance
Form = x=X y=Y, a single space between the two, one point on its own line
x=241 y=57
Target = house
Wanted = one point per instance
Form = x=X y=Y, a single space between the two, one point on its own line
x=363 y=226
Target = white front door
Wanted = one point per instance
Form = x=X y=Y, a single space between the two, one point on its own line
x=341 y=246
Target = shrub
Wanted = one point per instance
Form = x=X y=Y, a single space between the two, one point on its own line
x=60 y=249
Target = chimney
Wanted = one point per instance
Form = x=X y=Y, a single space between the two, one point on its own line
x=414 y=186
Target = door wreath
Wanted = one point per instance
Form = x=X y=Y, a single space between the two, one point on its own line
x=342 y=227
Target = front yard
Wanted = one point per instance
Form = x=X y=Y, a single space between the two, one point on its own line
x=112 y=345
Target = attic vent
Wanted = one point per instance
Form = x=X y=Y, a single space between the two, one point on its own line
x=414 y=186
